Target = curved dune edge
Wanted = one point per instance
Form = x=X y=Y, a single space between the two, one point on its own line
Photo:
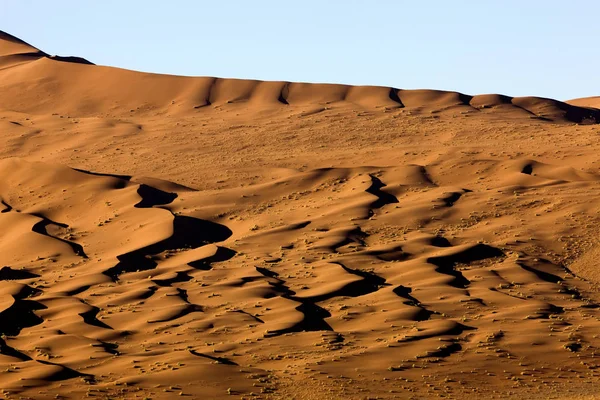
x=31 y=76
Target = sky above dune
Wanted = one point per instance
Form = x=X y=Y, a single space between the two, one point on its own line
x=519 y=48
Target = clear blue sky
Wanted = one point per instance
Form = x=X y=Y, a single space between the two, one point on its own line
x=528 y=47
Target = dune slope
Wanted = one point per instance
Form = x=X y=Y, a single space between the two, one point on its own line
x=593 y=102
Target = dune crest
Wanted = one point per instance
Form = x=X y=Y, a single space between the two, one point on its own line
x=102 y=87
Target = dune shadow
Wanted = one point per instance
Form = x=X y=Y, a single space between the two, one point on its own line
x=9 y=274
x=20 y=315
x=445 y=264
x=188 y=233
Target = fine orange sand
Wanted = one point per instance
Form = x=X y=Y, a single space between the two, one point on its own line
x=166 y=236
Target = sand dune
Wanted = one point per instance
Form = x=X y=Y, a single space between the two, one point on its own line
x=39 y=79
x=172 y=236
x=593 y=102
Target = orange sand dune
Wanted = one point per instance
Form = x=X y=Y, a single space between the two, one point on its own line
x=39 y=79
x=170 y=236
x=593 y=102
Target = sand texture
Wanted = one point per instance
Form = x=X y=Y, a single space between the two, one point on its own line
x=179 y=237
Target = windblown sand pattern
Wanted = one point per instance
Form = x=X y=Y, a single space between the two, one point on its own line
x=167 y=236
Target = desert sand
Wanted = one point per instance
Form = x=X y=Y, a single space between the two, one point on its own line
x=167 y=236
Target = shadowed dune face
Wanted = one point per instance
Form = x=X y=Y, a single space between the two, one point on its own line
x=169 y=236
x=10 y=45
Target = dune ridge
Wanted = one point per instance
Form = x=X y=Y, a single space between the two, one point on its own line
x=98 y=85
x=168 y=236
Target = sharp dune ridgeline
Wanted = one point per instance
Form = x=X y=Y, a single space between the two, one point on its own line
x=205 y=237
